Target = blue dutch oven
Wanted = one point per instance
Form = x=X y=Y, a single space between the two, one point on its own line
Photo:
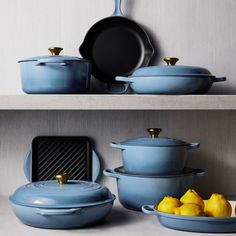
x=63 y=205
x=171 y=79
x=136 y=190
x=55 y=74
x=154 y=155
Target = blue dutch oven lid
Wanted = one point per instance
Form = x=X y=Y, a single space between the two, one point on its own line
x=172 y=70
x=54 y=58
x=51 y=194
x=154 y=140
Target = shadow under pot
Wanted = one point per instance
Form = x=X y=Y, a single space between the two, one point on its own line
x=55 y=74
x=137 y=190
x=154 y=155
x=63 y=205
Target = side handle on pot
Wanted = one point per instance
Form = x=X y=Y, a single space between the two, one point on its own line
x=43 y=62
x=117 y=11
x=57 y=212
x=219 y=79
x=200 y=173
x=127 y=80
x=110 y=173
x=194 y=145
x=117 y=145
x=148 y=209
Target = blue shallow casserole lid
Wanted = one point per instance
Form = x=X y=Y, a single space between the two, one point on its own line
x=172 y=70
x=50 y=194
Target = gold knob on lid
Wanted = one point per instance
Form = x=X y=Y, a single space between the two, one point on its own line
x=55 y=51
x=171 y=61
x=154 y=132
x=62 y=178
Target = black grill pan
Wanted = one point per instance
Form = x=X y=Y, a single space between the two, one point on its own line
x=54 y=155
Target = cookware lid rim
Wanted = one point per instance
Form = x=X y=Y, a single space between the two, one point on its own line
x=51 y=194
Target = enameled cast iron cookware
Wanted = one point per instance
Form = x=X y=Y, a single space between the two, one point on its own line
x=154 y=155
x=116 y=46
x=55 y=74
x=62 y=205
x=195 y=224
x=137 y=190
x=171 y=79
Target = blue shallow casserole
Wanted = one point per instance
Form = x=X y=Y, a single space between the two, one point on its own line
x=47 y=204
x=194 y=224
x=172 y=79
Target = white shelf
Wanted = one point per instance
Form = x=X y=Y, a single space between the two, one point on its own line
x=117 y=102
x=121 y=222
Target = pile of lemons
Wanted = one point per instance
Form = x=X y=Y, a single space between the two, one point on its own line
x=191 y=204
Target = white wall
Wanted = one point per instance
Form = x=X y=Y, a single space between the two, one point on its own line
x=199 y=32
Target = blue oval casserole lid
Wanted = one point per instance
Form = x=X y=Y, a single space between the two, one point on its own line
x=49 y=194
x=172 y=70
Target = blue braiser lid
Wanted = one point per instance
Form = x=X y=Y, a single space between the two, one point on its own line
x=172 y=70
x=51 y=194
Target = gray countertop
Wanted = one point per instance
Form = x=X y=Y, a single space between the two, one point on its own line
x=120 y=222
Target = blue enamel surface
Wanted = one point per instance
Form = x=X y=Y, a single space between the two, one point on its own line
x=136 y=191
x=154 y=156
x=194 y=224
x=72 y=218
x=154 y=142
x=55 y=75
x=171 y=71
x=49 y=194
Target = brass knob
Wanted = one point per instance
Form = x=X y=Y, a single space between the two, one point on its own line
x=62 y=178
x=154 y=132
x=171 y=61
x=55 y=51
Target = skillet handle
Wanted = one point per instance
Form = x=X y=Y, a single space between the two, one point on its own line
x=57 y=212
x=117 y=11
x=219 y=79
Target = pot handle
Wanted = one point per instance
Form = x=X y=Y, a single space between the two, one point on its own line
x=194 y=145
x=200 y=173
x=127 y=80
x=43 y=62
x=117 y=11
x=148 y=209
x=57 y=212
x=110 y=173
x=117 y=145
x=219 y=79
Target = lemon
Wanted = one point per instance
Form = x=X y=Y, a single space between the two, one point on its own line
x=191 y=196
x=168 y=204
x=217 y=206
x=189 y=209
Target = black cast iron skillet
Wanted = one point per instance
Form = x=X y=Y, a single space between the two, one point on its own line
x=116 y=46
